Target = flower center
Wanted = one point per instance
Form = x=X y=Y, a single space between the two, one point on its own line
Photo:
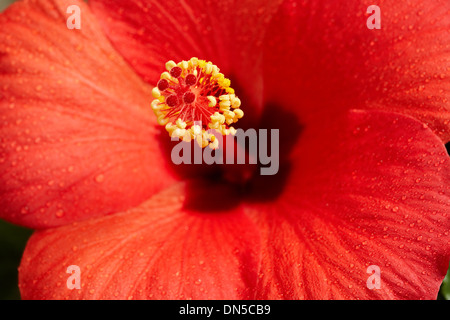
x=193 y=97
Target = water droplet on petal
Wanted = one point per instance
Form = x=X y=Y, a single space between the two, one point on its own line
x=198 y=282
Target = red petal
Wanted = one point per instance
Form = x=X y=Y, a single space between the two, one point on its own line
x=326 y=49
x=229 y=33
x=160 y=250
x=78 y=138
x=369 y=189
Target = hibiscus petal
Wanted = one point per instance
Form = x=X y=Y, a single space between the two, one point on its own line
x=78 y=138
x=321 y=58
x=229 y=33
x=370 y=188
x=159 y=250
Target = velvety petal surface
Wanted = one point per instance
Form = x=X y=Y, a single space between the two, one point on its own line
x=321 y=58
x=77 y=136
x=229 y=33
x=159 y=250
x=367 y=188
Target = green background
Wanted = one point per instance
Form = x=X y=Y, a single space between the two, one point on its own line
x=13 y=240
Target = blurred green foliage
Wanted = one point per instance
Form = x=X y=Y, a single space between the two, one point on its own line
x=444 y=293
x=4 y=4
x=12 y=243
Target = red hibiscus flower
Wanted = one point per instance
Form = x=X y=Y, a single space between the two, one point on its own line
x=364 y=175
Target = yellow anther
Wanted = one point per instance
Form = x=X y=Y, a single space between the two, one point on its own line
x=236 y=102
x=224 y=97
x=181 y=124
x=162 y=121
x=177 y=133
x=215 y=71
x=156 y=93
x=187 y=137
x=225 y=104
x=217 y=118
x=158 y=113
x=239 y=113
x=229 y=114
x=170 y=64
x=166 y=75
x=214 y=125
x=208 y=68
x=183 y=65
x=219 y=77
x=204 y=143
x=203 y=140
x=212 y=101
x=193 y=62
x=214 y=144
x=170 y=128
x=226 y=82
x=156 y=105
x=196 y=130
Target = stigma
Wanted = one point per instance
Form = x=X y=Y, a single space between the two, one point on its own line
x=192 y=99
